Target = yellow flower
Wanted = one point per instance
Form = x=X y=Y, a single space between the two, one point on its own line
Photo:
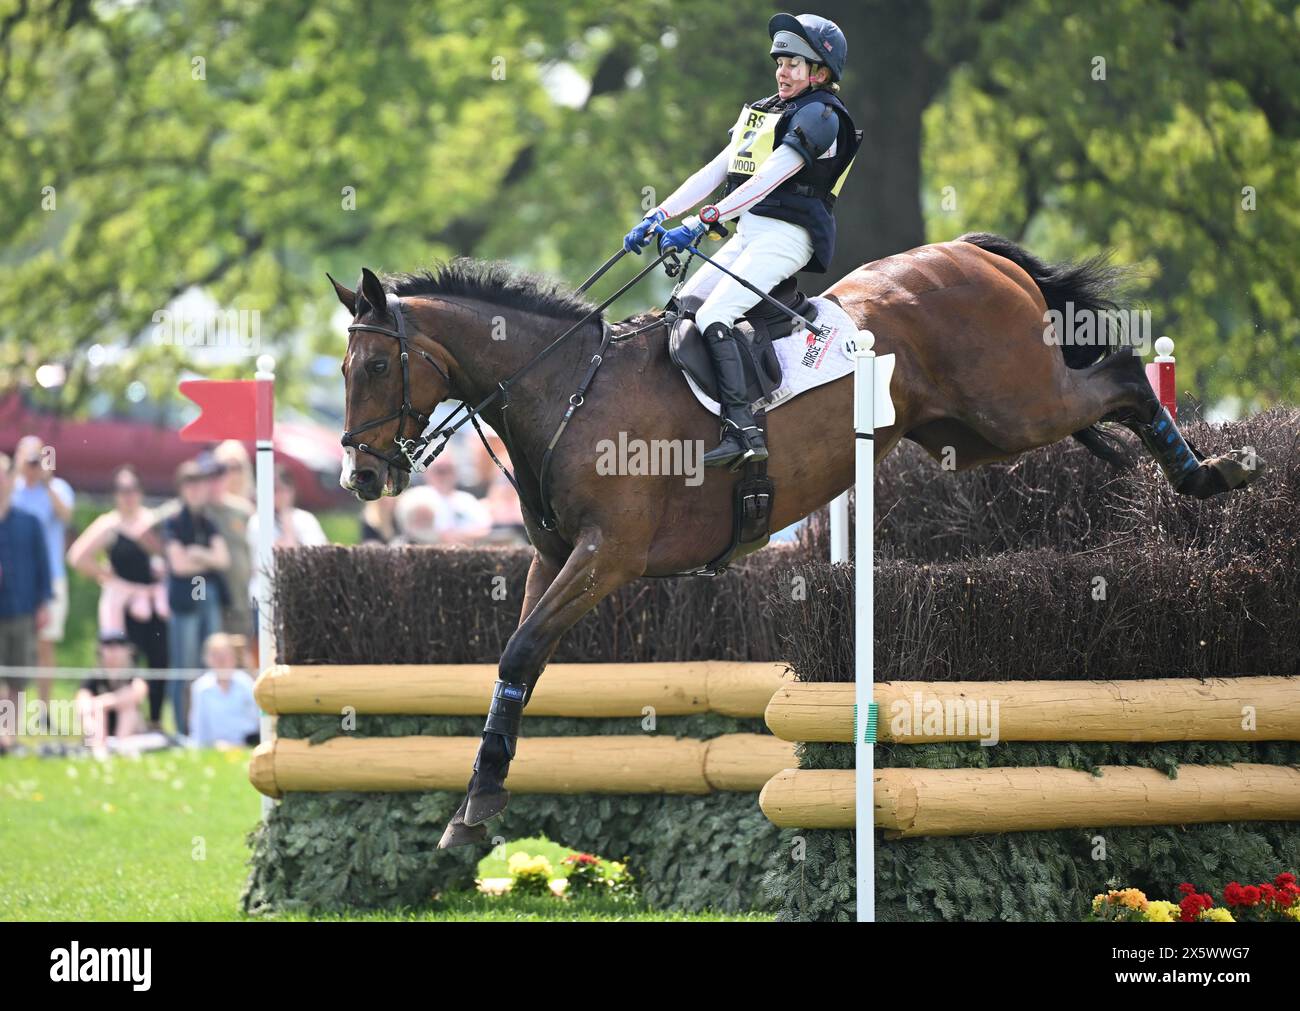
x=522 y=863
x=1293 y=911
x=1159 y=911
x=1218 y=915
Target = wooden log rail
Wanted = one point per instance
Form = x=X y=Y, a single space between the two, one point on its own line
x=1169 y=709
x=930 y=802
x=731 y=688
x=604 y=764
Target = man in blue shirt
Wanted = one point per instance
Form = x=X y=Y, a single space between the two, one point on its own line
x=25 y=593
x=38 y=492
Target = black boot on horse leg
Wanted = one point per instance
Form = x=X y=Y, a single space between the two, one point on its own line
x=742 y=440
x=1188 y=471
x=487 y=796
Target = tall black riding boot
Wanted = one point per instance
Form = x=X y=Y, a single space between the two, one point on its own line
x=742 y=441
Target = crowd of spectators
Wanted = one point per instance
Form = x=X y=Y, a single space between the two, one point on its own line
x=179 y=581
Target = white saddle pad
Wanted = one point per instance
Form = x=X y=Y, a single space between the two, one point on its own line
x=807 y=361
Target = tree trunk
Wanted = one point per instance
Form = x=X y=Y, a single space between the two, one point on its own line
x=887 y=85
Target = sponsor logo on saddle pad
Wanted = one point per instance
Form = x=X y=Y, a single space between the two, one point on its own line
x=818 y=341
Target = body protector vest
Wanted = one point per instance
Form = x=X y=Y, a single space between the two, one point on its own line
x=807 y=197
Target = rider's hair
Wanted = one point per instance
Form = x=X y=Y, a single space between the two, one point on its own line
x=830 y=85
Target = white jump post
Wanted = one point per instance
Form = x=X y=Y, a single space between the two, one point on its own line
x=864 y=731
x=265 y=376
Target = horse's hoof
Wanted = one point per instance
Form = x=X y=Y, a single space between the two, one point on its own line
x=1238 y=468
x=1219 y=474
x=482 y=806
x=457 y=833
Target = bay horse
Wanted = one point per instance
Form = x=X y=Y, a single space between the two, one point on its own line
x=976 y=380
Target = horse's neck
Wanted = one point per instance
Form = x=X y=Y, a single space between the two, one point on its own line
x=531 y=397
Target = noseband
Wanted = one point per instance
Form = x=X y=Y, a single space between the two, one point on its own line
x=408 y=450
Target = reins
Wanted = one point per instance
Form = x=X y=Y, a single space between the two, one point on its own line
x=415 y=455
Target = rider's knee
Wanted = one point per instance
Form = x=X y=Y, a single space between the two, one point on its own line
x=706 y=317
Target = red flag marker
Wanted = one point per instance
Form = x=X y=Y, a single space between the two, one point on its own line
x=229 y=409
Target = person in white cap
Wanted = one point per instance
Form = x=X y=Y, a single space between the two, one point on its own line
x=784 y=166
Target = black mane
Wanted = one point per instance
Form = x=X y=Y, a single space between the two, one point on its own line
x=493 y=281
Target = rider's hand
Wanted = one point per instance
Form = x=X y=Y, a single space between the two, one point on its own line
x=640 y=235
x=683 y=235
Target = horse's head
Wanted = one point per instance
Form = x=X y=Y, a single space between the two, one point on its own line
x=389 y=389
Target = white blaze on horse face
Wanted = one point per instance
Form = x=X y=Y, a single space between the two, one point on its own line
x=349 y=468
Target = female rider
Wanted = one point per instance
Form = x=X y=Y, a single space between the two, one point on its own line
x=784 y=166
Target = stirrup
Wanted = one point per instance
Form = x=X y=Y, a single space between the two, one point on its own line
x=732 y=435
x=755 y=447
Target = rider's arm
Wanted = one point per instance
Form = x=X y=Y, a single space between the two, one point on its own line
x=779 y=166
x=698 y=186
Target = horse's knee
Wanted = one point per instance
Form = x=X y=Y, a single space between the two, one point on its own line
x=521 y=660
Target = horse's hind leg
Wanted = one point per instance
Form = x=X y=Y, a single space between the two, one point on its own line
x=1188 y=471
x=588 y=576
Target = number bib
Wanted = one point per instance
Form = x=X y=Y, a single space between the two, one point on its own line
x=751 y=140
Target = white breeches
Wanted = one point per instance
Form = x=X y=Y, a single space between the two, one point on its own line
x=764 y=251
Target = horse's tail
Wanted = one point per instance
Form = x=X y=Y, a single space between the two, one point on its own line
x=1094 y=284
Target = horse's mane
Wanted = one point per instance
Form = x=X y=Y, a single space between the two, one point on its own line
x=494 y=281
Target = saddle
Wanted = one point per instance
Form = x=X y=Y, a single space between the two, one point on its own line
x=756 y=331
x=753 y=494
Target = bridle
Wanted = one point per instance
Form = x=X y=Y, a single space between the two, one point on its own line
x=415 y=455
x=408 y=450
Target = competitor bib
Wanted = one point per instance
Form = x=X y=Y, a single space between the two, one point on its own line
x=751 y=140
x=751 y=144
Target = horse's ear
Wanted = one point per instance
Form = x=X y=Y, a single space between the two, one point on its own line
x=373 y=291
x=346 y=295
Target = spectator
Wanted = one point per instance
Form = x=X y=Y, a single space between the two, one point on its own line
x=121 y=551
x=437 y=513
x=49 y=499
x=293 y=527
x=507 y=518
x=25 y=590
x=238 y=478
x=196 y=556
x=109 y=705
x=377 y=523
x=225 y=712
x=230 y=509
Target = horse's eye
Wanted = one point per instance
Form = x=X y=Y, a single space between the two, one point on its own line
x=377 y=367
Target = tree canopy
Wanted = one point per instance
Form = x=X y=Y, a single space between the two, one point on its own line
x=243 y=149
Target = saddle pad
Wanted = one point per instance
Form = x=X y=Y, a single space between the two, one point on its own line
x=807 y=360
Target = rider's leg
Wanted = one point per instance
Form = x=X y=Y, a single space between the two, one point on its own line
x=704 y=276
x=773 y=250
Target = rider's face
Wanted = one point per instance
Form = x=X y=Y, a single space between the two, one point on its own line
x=792 y=76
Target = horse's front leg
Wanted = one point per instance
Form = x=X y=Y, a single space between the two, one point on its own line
x=588 y=576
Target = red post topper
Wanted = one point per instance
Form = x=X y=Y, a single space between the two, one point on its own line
x=1160 y=374
x=241 y=409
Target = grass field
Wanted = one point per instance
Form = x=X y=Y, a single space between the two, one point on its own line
x=162 y=837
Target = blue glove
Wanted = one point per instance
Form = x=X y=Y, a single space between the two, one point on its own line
x=683 y=235
x=640 y=235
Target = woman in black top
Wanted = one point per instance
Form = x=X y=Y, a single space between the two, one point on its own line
x=120 y=552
